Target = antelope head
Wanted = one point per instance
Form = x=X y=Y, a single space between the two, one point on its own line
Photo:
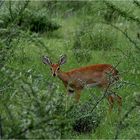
x=55 y=67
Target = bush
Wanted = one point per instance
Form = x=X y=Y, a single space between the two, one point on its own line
x=85 y=119
x=37 y=21
x=86 y=124
x=28 y=18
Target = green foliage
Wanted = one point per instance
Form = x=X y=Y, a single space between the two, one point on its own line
x=55 y=6
x=125 y=14
x=111 y=15
x=90 y=38
x=85 y=119
x=32 y=103
x=85 y=125
x=35 y=20
x=36 y=109
x=75 y=5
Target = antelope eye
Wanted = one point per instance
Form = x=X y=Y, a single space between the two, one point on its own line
x=51 y=69
x=58 y=69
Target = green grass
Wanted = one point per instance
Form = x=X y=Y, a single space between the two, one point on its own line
x=28 y=56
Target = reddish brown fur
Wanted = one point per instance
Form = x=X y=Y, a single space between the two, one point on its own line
x=92 y=74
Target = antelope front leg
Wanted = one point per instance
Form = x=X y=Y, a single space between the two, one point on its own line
x=77 y=96
x=119 y=100
x=111 y=102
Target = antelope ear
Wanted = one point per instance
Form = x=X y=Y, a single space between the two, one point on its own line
x=46 y=60
x=63 y=59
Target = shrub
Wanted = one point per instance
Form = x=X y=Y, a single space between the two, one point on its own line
x=36 y=20
x=86 y=124
x=85 y=118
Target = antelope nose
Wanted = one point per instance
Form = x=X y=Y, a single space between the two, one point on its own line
x=54 y=74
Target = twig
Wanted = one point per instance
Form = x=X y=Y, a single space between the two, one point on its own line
x=122 y=12
x=33 y=93
x=10 y=10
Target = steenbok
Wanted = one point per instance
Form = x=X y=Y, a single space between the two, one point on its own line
x=99 y=75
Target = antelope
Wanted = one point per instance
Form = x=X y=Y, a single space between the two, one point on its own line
x=89 y=76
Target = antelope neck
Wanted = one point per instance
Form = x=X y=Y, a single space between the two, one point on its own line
x=63 y=76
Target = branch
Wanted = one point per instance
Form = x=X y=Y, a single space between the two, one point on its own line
x=33 y=93
x=122 y=12
x=125 y=34
x=20 y=13
x=10 y=10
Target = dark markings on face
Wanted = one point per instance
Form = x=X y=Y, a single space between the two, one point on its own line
x=71 y=90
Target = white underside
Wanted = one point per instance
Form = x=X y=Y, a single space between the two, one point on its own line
x=92 y=85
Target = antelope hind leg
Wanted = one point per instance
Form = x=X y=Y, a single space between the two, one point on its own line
x=77 y=95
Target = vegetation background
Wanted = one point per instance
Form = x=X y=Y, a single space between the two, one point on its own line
x=35 y=105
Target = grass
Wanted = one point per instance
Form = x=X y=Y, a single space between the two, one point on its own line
x=28 y=56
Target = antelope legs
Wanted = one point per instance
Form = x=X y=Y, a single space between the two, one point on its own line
x=111 y=98
x=77 y=96
x=111 y=102
x=119 y=100
x=70 y=91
